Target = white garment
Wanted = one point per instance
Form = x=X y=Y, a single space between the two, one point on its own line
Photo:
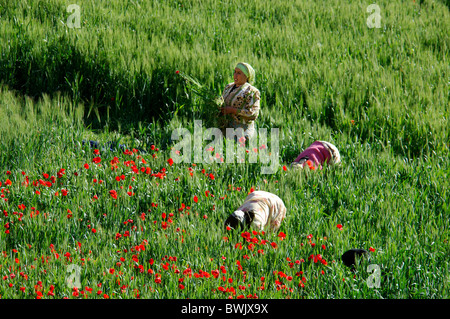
x=269 y=210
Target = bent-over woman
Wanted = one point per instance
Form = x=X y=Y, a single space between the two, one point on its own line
x=261 y=210
x=316 y=155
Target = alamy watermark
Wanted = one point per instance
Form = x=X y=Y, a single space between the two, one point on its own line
x=74 y=20
x=374 y=20
x=190 y=147
x=73 y=280
x=375 y=278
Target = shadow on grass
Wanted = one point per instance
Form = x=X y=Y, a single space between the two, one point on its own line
x=128 y=103
x=109 y=97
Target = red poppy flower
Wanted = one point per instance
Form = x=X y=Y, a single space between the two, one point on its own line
x=113 y=194
x=170 y=161
x=246 y=235
x=310 y=165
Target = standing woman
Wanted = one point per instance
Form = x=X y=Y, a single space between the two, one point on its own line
x=241 y=100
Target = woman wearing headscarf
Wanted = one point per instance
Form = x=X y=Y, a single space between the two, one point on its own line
x=241 y=101
x=261 y=210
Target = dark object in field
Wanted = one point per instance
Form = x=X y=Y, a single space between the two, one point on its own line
x=349 y=257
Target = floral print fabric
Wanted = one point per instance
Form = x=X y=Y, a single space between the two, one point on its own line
x=246 y=99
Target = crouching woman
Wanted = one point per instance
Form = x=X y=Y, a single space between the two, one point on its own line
x=261 y=210
x=316 y=155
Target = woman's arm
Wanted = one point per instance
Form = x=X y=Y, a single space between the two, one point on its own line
x=228 y=110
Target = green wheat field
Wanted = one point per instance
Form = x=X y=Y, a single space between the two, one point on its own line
x=120 y=220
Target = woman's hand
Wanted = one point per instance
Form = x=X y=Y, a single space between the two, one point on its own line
x=228 y=110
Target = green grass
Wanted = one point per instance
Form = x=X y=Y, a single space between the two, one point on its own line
x=380 y=95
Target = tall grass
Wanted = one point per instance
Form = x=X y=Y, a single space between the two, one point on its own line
x=380 y=95
x=315 y=60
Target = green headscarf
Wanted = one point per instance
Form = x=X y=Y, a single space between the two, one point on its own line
x=247 y=70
